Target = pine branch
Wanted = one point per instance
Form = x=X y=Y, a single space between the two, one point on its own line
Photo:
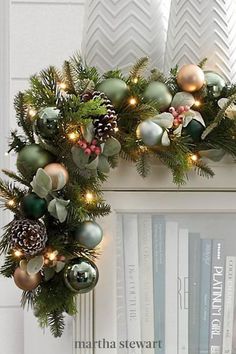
x=10 y=196
x=56 y=323
x=23 y=117
x=17 y=178
x=202 y=63
x=68 y=77
x=202 y=169
x=138 y=68
x=157 y=75
x=17 y=142
x=219 y=117
x=143 y=165
x=9 y=266
x=27 y=299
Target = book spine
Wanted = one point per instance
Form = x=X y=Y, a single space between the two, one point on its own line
x=171 y=303
x=183 y=273
x=146 y=280
x=130 y=230
x=121 y=297
x=194 y=292
x=229 y=304
x=217 y=297
x=205 y=290
x=158 y=234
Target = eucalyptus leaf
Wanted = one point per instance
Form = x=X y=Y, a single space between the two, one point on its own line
x=88 y=132
x=93 y=164
x=164 y=120
x=42 y=183
x=112 y=147
x=183 y=99
x=35 y=265
x=79 y=157
x=49 y=273
x=190 y=115
x=103 y=164
x=58 y=209
x=165 y=141
x=59 y=266
x=213 y=154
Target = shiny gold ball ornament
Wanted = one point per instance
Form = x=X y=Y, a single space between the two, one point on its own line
x=59 y=175
x=25 y=281
x=190 y=78
x=81 y=275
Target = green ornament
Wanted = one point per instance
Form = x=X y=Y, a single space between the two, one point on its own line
x=88 y=234
x=32 y=157
x=150 y=133
x=157 y=91
x=47 y=122
x=214 y=82
x=194 y=129
x=33 y=206
x=115 y=89
x=81 y=275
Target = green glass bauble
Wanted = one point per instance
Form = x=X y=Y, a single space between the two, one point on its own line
x=47 y=122
x=88 y=234
x=32 y=157
x=150 y=133
x=214 y=82
x=81 y=275
x=194 y=129
x=157 y=91
x=115 y=89
x=33 y=206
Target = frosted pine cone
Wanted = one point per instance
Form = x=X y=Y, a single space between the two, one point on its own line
x=28 y=236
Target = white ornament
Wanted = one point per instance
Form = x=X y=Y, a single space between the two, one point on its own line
x=199 y=29
x=118 y=32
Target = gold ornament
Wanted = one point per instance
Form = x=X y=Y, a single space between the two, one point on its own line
x=58 y=174
x=190 y=78
x=26 y=282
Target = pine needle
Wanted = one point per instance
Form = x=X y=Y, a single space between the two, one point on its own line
x=138 y=68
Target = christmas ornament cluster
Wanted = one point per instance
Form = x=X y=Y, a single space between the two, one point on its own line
x=73 y=126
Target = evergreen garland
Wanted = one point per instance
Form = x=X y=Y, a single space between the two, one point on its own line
x=58 y=123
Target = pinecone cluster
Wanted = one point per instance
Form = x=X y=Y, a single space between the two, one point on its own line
x=105 y=125
x=29 y=236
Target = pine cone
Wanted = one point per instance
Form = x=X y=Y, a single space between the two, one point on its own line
x=29 y=236
x=105 y=125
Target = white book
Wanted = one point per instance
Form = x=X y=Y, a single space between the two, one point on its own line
x=183 y=274
x=171 y=305
x=146 y=280
x=131 y=253
x=120 y=295
x=229 y=299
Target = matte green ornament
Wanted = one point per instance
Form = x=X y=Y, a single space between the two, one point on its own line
x=81 y=275
x=115 y=89
x=88 y=234
x=47 y=122
x=157 y=91
x=32 y=157
x=33 y=206
x=194 y=129
x=215 y=82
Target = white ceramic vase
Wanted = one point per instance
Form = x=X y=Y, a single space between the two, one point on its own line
x=118 y=32
x=199 y=29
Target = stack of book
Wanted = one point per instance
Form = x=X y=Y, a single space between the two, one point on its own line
x=174 y=288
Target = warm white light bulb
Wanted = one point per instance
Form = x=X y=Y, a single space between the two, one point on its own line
x=194 y=157
x=197 y=103
x=133 y=101
x=89 y=197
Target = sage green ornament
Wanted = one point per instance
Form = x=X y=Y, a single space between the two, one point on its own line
x=81 y=275
x=150 y=133
x=88 y=234
x=214 y=82
x=32 y=157
x=157 y=91
x=115 y=89
x=33 y=207
x=47 y=122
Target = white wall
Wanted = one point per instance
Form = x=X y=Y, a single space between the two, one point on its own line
x=33 y=34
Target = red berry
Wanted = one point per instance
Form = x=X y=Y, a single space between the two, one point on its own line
x=181 y=109
x=94 y=142
x=98 y=151
x=175 y=114
x=87 y=151
x=93 y=148
x=171 y=110
x=186 y=108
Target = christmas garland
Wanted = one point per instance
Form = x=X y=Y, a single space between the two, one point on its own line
x=73 y=126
